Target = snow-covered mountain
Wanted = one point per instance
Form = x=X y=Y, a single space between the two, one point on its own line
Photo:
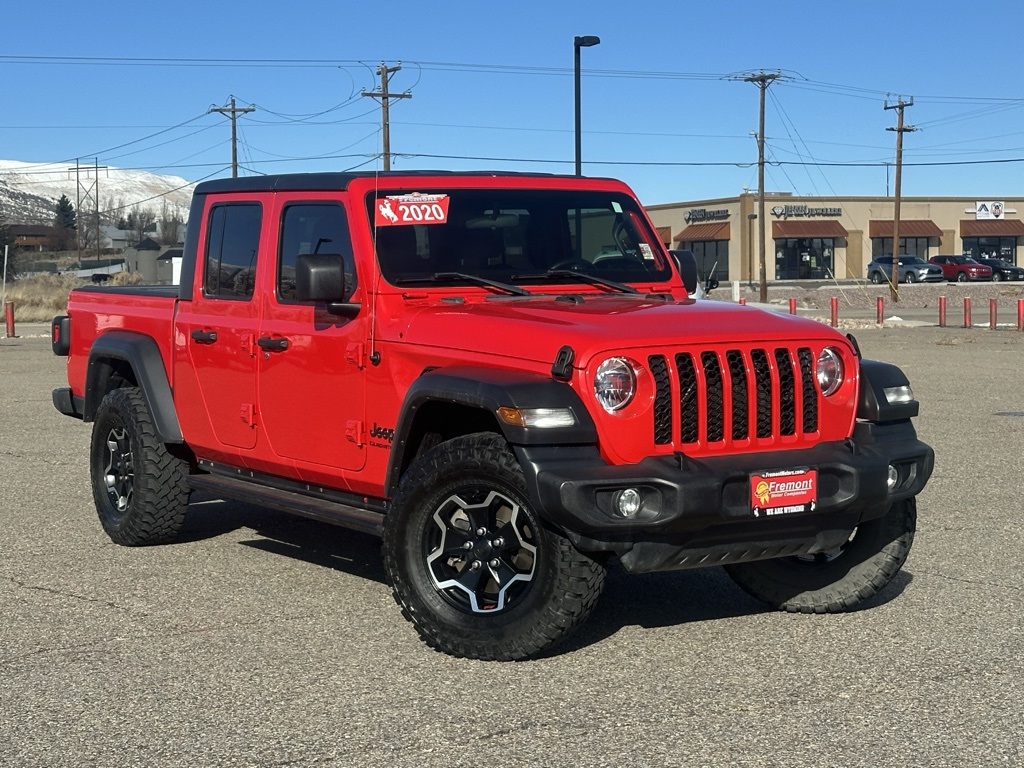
x=29 y=191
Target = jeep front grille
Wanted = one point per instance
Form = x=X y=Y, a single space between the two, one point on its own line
x=705 y=398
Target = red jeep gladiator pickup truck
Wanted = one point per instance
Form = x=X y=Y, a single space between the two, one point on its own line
x=504 y=376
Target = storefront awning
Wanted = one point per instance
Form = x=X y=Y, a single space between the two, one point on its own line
x=698 y=232
x=991 y=228
x=908 y=228
x=785 y=229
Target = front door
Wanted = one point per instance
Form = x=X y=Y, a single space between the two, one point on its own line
x=312 y=363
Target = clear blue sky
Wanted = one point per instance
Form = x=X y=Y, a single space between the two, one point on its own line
x=664 y=104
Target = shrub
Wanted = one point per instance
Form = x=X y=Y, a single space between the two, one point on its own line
x=38 y=298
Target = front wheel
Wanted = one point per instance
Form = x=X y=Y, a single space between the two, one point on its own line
x=473 y=566
x=139 y=487
x=837 y=580
x=996 y=277
x=910 y=277
x=961 y=277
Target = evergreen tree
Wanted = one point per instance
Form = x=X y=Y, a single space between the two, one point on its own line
x=65 y=220
x=65 y=217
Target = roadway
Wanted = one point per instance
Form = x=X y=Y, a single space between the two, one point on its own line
x=264 y=640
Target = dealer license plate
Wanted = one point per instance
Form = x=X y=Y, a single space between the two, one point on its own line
x=783 y=492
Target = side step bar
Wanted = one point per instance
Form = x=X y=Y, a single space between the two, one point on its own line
x=337 y=513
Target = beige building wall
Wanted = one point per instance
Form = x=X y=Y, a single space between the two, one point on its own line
x=853 y=252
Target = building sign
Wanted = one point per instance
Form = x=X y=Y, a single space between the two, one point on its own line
x=989 y=209
x=785 y=211
x=705 y=214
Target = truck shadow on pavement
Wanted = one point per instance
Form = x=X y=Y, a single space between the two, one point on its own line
x=280 y=533
x=676 y=598
x=651 y=600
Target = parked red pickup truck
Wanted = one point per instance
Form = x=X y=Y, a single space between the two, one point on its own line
x=503 y=375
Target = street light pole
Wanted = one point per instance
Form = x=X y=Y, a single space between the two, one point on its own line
x=586 y=41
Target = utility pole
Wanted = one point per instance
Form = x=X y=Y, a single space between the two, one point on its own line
x=233 y=112
x=894 y=278
x=762 y=81
x=384 y=94
x=86 y=188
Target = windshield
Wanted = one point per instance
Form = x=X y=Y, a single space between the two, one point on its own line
x=514 y=236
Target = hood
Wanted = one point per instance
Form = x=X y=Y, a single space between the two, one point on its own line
x=536 y=328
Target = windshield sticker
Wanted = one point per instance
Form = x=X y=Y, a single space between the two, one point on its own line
x=401 y=210
x=616 y=207
x=646 y=252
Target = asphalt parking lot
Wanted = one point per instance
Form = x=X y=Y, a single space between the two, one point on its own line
x=265 y=640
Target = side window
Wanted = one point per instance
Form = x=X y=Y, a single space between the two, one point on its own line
x=233 y=239
x=311 y=228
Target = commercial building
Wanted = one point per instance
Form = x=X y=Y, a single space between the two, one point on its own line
x=826 y=237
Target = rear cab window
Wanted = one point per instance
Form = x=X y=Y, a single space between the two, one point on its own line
x=232 y=243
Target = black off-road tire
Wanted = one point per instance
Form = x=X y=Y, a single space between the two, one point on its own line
x=140 y=488
x=465 y=501
x=839 y=580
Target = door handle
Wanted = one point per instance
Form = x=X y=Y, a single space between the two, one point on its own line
x=204 y=337
x=272 y=345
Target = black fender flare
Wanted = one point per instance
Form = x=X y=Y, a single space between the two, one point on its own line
x=143 y=356
x=488 y=389
x=872 y=404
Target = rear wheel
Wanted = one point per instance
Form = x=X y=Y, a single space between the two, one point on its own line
x=840 y=579
x=876 y=278
x=471 y=563
x=139 y=487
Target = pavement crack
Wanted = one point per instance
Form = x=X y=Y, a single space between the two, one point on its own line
x=73 y=596
x=974 y=582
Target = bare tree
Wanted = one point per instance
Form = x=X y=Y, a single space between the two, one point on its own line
x=170 y=223
x=139 y=220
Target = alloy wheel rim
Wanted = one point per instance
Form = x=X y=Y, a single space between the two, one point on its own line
x=119 y=474
x=481 y=551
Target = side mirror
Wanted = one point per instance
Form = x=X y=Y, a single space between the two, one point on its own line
x=687 y=266
x=321 y=277
x=711 y=284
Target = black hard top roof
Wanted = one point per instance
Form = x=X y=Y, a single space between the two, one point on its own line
x=296 y=182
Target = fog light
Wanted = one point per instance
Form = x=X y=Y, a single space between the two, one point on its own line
x=628 y=502
x=894 y=477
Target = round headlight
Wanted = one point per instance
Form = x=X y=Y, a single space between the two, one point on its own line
x=830 y=371
x=614 y=383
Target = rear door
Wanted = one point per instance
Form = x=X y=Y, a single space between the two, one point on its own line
x=312 y=392
x=224 y=318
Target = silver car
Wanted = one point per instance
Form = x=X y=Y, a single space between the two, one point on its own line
x=912 y=269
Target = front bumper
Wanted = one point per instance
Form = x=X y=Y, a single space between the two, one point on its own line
x=698 y=512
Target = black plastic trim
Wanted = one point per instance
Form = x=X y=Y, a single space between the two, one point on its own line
x=143 y=355
x=875 y=377
x=68 y=403
x=60 y=335
x=190 y=249
x=324 y=504
x=697 y=502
